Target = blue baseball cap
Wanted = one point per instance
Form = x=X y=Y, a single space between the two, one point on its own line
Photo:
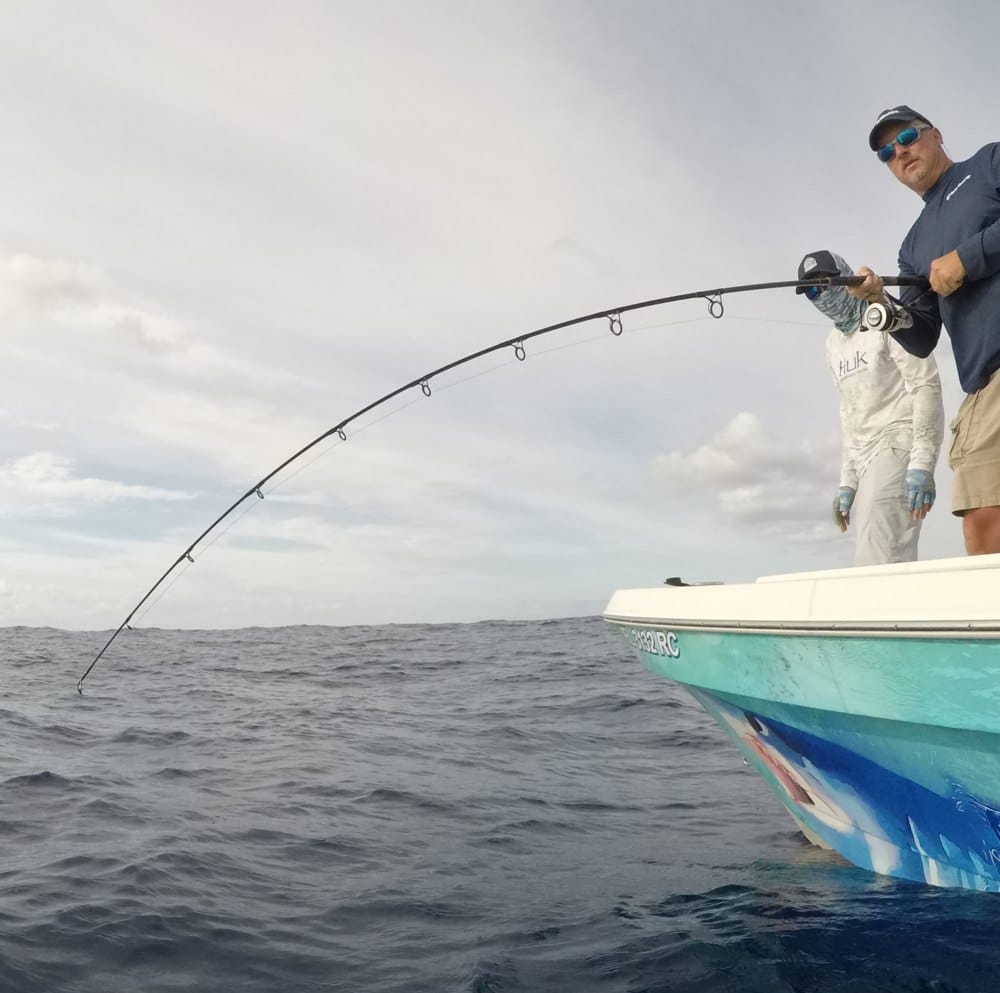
x=902 y=113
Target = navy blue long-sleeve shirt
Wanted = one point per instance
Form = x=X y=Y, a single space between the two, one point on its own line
x=961 y=212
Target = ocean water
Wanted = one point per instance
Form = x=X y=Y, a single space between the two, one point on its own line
x=485 y=807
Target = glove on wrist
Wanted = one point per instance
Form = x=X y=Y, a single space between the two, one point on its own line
x=842 y=506
x=920 y=492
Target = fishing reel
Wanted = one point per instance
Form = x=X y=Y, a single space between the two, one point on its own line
x=888 y=315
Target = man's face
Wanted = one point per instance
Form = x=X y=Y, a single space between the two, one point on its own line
x=920 y=165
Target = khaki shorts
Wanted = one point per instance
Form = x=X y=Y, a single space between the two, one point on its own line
x=975 y=450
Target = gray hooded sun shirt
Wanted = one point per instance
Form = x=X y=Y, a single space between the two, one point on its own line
x=888 y=398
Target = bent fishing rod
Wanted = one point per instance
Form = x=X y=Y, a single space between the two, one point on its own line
x=613 y=315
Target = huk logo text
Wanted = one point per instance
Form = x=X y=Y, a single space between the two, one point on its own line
x=849 y=366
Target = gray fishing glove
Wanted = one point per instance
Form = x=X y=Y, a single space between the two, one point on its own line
x=920 y=491
x=842 y=506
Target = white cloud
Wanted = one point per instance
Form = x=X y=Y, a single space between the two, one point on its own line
x=63 y=300
x=78 y=299
x=44 y=484
x=47 y=286
x=756 y=478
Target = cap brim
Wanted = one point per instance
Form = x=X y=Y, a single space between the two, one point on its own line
x=898 y=119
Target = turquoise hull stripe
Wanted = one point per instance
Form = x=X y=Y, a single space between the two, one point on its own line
x=947 y=682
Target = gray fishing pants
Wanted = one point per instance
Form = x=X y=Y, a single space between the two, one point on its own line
x=880 y=515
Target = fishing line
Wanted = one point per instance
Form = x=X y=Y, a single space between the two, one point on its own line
x=625 y=332
x=155 y=600
x=779 y=320
x=613 y=316
x=560 y=348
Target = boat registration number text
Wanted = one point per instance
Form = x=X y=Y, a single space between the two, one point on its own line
x=653 y=642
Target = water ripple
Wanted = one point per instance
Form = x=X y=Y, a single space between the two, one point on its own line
x=485 y=807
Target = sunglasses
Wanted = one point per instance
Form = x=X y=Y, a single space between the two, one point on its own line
x=905 y=138
x=813 y=292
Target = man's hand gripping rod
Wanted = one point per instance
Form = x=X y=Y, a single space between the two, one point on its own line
x=888 y=314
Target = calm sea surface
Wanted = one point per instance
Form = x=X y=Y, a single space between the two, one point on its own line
x=484 y=807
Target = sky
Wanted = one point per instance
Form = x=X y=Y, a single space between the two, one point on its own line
x=230 y=225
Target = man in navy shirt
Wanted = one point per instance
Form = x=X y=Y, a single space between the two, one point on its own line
x=954 y=243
